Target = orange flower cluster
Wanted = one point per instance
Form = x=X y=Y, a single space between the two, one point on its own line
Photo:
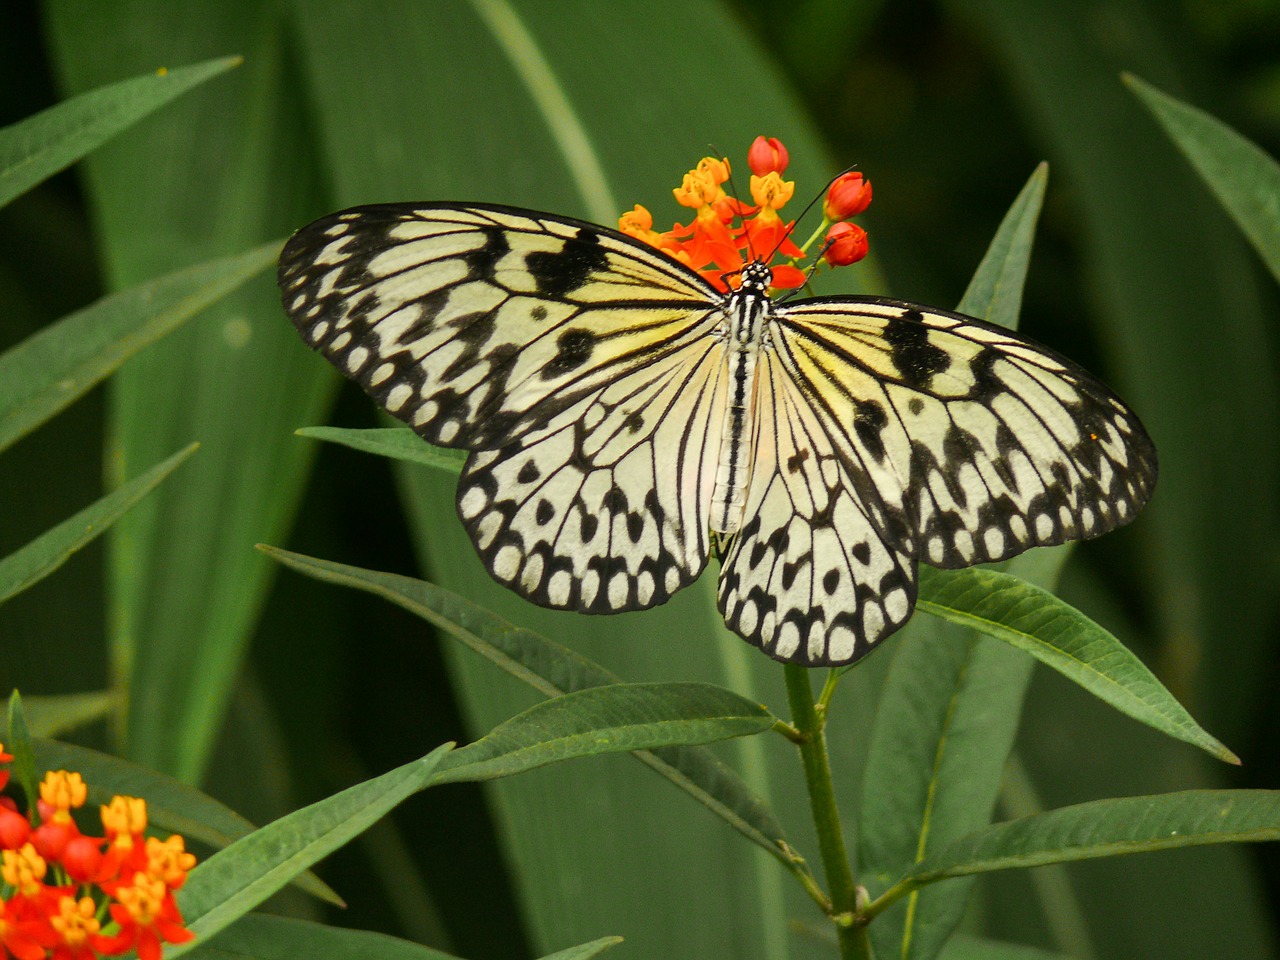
x=68 y=896
x=726 y=233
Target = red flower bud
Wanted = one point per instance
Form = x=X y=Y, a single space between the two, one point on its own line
x=849 y=196
x=52 y=837
x=82 y=859
x=846 y=244
x=767 y=155
x=14 y=827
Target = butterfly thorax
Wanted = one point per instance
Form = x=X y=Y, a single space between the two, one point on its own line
x=746 y=317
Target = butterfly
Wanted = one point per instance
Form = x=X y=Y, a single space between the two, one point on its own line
x=625 y=420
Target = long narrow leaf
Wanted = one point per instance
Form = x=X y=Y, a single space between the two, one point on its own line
x=38 y=147
x=1108 y=828
x=1062 y=637
x=171 y=804
x=50 y=369
x=978 y=948
x=45 y=554
x=260 y=936
x=56 y=714
x=618 y=718
x=584 y=951
x=235 y=880
x=995 y=292
x=19 y=743
x=552 y=670
x=397 y=443
x=953 y=698
x=1239 y=172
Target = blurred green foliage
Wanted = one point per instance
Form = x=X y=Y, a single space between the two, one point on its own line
x=275 y=691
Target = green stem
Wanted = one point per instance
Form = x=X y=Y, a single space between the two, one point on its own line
x=809 y=722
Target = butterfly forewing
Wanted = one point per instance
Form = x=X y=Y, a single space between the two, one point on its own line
x=965 y=442
x=475 y=324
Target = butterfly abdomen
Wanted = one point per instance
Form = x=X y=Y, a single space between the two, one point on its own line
x=746 y=316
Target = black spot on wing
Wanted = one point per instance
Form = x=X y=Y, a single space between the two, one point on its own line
x=429 y=307
x=560 y=272
x=916 y=358
x=869 y=422
x=573 y=349
x=483 y=260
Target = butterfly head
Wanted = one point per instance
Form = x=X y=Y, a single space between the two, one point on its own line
x=756 y=277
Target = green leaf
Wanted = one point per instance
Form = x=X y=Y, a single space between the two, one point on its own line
x=58 y=714
x=398 y=443
x=50 y=369
x=953 y=698
x=553 y=670
x=1181 y=334
x=618 y=718
x=235 y=880
x=995 y=292
x=978 y=948
x=1062 y=637
x=171 y=804
x=260 y=936
x=227 y=170
x=1241 y=175
x=35 y=149
x=18 y=744
x=45 y=554
x=585 y=951
x=1108 y=828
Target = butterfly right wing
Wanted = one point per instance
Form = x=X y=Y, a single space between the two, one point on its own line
x=808 y=578
x=476 y=324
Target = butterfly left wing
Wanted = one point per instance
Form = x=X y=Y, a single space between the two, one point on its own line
x=576 y=363
x=606 y=508
x=476 y=324
x=965 y=442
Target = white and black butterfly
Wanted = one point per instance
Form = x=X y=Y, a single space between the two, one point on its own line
x=624 y=417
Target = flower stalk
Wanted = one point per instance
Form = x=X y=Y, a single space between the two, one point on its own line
x=851 y=933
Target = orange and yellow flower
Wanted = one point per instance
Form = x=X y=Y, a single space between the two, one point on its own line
x=726 y=233
x=58 y=886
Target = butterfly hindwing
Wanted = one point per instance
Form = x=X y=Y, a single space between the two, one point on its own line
x=606 y=508
x=964 y=441
x=808 y=578
x=475 y=324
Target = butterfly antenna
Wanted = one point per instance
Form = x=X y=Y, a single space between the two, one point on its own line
x=733 y=192
x=805 y=212
x=809 y=271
